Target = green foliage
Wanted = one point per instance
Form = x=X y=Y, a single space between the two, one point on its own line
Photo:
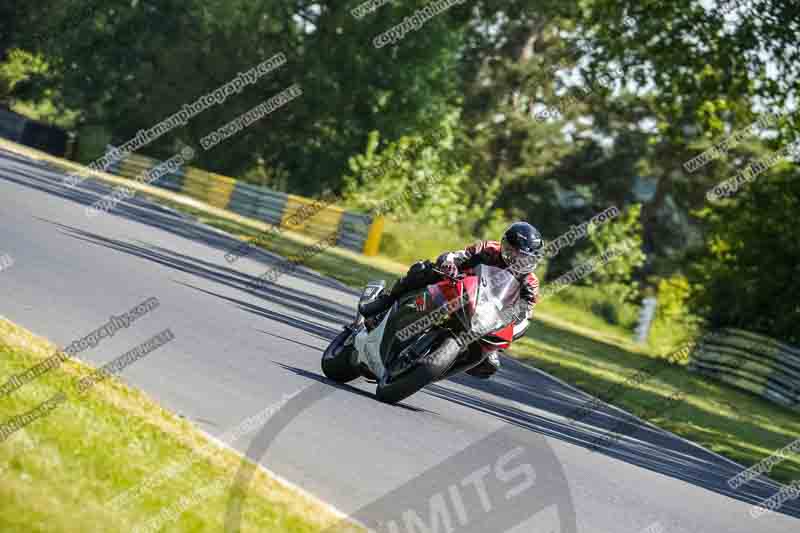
x=408 y=240
x=675 y=322
x=607 y=311
x=92 y=142
x=18 y=67
x=275 y=178
x=128 y=65
x=495 y=223
x=623 y=234
x=707 y=63
x=380 y=175
x=673 y=295
x=748 y=274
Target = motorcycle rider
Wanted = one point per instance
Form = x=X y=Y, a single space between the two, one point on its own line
x=518 y=251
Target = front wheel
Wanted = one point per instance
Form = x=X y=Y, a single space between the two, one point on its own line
x=428 y=370
x=337 y=361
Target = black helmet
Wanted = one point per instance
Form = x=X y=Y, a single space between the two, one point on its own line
x=520 y=246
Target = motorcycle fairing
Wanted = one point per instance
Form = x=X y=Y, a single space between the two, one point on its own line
x=404 y=313
x=368 y=347
x=477 y=300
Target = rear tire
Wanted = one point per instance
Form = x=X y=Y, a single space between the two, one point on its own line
x=337 y=360
x=429 y=369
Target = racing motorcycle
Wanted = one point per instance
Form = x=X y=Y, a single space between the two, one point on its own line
x=430 y=334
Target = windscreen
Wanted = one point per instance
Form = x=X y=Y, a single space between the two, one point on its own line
x=496 y=299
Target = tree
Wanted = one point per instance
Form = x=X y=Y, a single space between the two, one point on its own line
x=128 y=65
x=749 y=275
x=622 y=240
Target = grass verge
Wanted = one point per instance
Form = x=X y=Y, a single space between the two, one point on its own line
x=733 y=423
x=60 y=472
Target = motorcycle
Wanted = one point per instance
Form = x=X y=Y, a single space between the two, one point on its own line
x=429 y=335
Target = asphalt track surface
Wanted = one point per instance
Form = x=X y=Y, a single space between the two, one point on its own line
x=238 y=350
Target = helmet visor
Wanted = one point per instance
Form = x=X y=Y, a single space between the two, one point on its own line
x=518 y=261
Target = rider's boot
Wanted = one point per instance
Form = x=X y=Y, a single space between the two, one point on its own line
x=487 y=368
x=419 y=275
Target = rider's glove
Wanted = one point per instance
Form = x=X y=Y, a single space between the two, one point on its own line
x=448 y=266
x=450 y=269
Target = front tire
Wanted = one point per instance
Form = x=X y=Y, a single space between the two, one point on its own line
x=429 y=369
x=337 y=359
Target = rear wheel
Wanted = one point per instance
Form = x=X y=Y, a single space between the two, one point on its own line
x=428 y=370
x=337 y=361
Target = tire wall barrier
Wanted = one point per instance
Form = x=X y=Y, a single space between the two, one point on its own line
x=44 y=137
x=360 y=233
x=752 y=362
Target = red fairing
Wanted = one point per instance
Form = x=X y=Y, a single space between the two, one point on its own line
x=450 y=292
x=497 y=340
x=507 y=333
x=489 y=253
x=446 y=291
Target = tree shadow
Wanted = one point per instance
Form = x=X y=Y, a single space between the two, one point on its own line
x=308 y=304
x=546 y=406
x=47 y=178
x=551 y=339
